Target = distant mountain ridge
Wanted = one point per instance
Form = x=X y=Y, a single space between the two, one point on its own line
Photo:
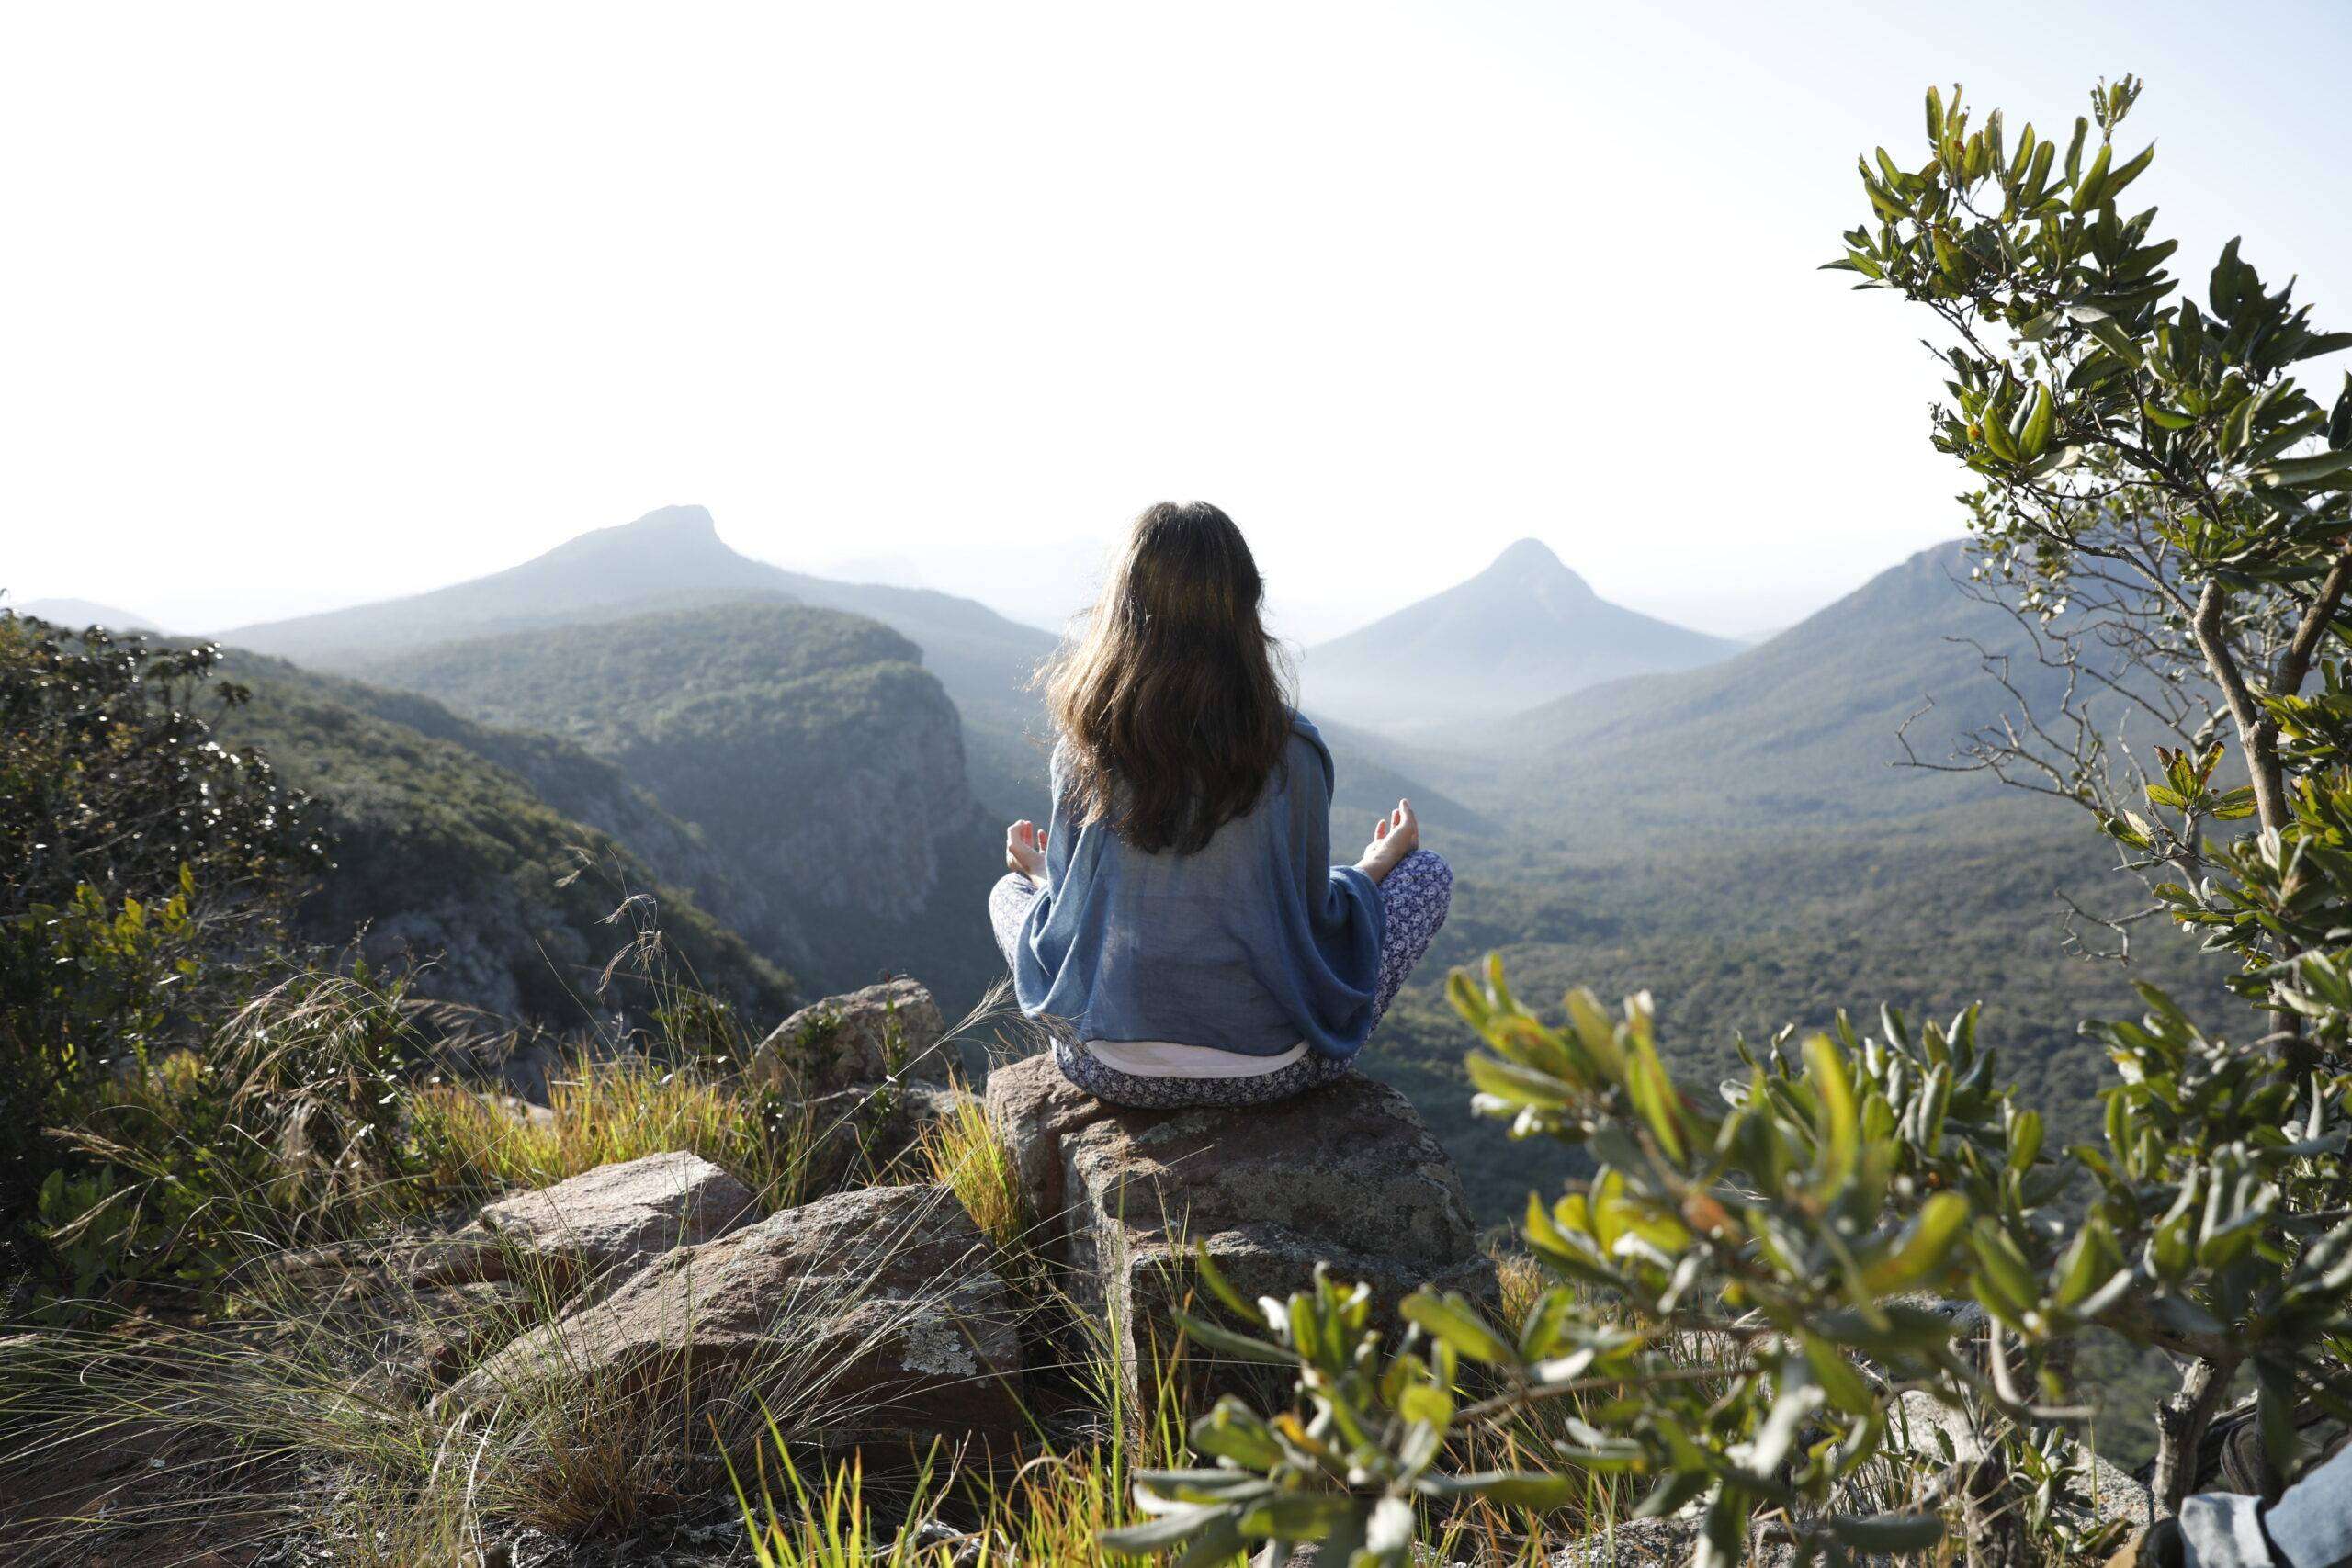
x=80 y=613
x=1524 y=631
x=1807 y=725
x=674 y=557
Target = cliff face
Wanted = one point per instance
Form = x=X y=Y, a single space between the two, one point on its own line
x=816 y=758
x=442 y=853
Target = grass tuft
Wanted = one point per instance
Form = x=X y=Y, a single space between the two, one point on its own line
x=609 y=1109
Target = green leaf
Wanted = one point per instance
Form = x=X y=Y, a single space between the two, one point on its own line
x=1841 y=1123
x=1214 y=1278
x=2087 y=189
x=1838 y=1379
x=1218 y=1542
x=1653 y=1095
x=1232 y=1344
x=2038 y=423
x=1520 y=1086
x=2301 y=472
x=2025 y=1139
x=2127 y=173
x=1453 y=1319
x=1232 y=1430
x=2005 y=1284
x=1297 y=1516
x=1171 y=1528
x=1918 y=1254
x=1889 y=1533
x=1517 y=1489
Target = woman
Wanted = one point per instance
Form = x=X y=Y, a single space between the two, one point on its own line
x=1180 y=917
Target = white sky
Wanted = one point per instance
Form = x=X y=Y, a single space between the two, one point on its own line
x=310 y=304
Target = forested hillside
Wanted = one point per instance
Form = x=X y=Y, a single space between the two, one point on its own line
x=442 y=853
x=1739 y=841
x=811 y=749
x=674 y=557
x=1805 y=727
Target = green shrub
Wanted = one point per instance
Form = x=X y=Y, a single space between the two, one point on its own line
x=283 y=1129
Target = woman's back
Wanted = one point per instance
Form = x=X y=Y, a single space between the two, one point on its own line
x=1251 y=943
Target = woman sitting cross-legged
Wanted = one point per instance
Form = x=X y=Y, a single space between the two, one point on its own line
x=1180 y=918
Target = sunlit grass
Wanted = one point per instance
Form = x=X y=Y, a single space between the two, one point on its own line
x=607 y=1109
x=968 y=1157
x=1052 y=1509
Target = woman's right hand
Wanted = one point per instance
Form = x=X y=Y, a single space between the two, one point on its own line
x=1025 y=851
x=1394 y=837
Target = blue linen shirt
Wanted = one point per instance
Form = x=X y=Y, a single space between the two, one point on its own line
x=1252 y=943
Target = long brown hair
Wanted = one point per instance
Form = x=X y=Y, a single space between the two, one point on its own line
x=1171 y=706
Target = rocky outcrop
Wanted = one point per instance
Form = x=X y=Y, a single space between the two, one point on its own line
x=595 y=1225
x=869 y=1318
x=1346 y=1175
x=888 y=1032
x=872 y=1069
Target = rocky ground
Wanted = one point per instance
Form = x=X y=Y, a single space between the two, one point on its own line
x=590 y=1356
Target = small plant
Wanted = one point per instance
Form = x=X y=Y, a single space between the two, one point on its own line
x=284 y=1129
x=968 y=1156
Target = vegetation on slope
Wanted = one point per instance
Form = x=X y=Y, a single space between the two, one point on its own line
x=442 y=855
x=810 y=748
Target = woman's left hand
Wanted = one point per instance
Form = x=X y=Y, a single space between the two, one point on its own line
x=1025 y=851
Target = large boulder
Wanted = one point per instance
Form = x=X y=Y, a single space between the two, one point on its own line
x=1345 y=1175
x=875 y=1317
x=595 y=1225
x=887 y=1034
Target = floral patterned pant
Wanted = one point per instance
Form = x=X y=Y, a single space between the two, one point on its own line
x=1414 y=899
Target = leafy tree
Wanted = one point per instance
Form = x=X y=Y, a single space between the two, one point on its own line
x=1750 y=1304
x=136 y=853
x=2163 y=461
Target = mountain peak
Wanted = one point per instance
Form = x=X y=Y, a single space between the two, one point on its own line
x=1531 y=561
x=670 y=533
x=674 y=520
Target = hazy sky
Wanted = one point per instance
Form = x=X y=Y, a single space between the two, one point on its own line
x=310 y=304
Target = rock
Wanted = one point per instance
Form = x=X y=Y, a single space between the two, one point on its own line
x=1940 y=1435
x=594 y=1226
x=889 y=1032
x=1634 y=1544
x=870 y=1129
x=1346 y=1174
x=868 y=1317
